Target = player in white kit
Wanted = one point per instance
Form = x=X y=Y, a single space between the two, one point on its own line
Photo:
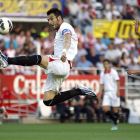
x=57 y=66
x=109 y=81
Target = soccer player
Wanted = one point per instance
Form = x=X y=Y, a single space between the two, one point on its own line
x=110 y=80
x=57 y=66
x=3 y=111
x=131 y=71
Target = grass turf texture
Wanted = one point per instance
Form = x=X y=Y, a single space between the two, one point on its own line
x=67 y=131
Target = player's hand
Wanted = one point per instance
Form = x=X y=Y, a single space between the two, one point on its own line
x=63 y=57
x=118 y=94
x=130 y=71
x=136 y=25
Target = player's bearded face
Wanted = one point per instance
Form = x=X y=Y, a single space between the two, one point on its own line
x=53 y=21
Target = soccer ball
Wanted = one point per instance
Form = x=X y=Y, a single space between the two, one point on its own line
x=6 y=26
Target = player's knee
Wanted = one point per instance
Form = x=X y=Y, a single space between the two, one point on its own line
x=48 y=103
x=105 y=109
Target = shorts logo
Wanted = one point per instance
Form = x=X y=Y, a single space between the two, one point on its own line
x=66 y=31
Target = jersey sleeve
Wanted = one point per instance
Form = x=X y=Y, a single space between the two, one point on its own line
x=101 y=79
x=66 y=29
x=115 y=75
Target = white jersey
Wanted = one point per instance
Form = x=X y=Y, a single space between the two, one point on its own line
x=109 y=80
x=65 y=28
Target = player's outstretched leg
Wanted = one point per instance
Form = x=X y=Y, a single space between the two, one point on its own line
x=42 y=61
x=3 y=111
x=63 y=96
x=21 y=60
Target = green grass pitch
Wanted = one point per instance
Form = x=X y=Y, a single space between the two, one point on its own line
x=69 y=131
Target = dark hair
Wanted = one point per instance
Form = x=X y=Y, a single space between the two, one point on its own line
x=106 y=60
x=56 y=12
x=44 y=27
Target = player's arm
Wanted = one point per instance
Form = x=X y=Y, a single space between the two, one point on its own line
x=118 y=88
x=136 y=25
x=66 y=45
x=99 y=95
x=131 y=71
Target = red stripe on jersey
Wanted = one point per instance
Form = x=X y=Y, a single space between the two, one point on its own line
x=51 y=59
x=70 y=64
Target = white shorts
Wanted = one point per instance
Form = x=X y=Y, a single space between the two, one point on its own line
x=57 y=72
x=110 y=99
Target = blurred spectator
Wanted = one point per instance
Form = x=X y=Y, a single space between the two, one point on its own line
x=112 y=12
x=79 y=107
x=17 y=30
x=43 y=51
x=117 y=39
x=33 y=32
x=84 y=19
x=136 y=14
x=89 y=41
x=121 y=6
x=122 y=49
x=6 y=38
x=124 y=109
x=37 y=42
x=30 y=70
x=105 y=39
x=45 y=32
x=128 y=44
x=100 y=63
x=126 y=15
x=7 y=44
x=129 y=9
x=21 y=39
x=101 y=14
x=91 y=103
x=134 y=50
x=110 y=5
x=84 y=63
x=64 y=112
x=30 y=49
x=134 y=60
x=92 y=56
x=124 y=61
x=81 y=51
x=74 y=71
x=11 y=52
x=49 y=44
x=100 y=47
x=79 y=35
x=42 y=41
x=27 y=41
x=28 y=35
x=73 y=8
x=92 y=14
x=112 y=54
x=18 y=69
x=133 y=65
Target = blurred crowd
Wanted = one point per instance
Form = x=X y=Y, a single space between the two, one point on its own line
x=123 y=53
x=85 y=11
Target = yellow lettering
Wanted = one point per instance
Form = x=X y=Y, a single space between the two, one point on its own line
x=5 y=5
x=57 y=3
x=124 y=27
x=32 y=7
x=13 y=7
